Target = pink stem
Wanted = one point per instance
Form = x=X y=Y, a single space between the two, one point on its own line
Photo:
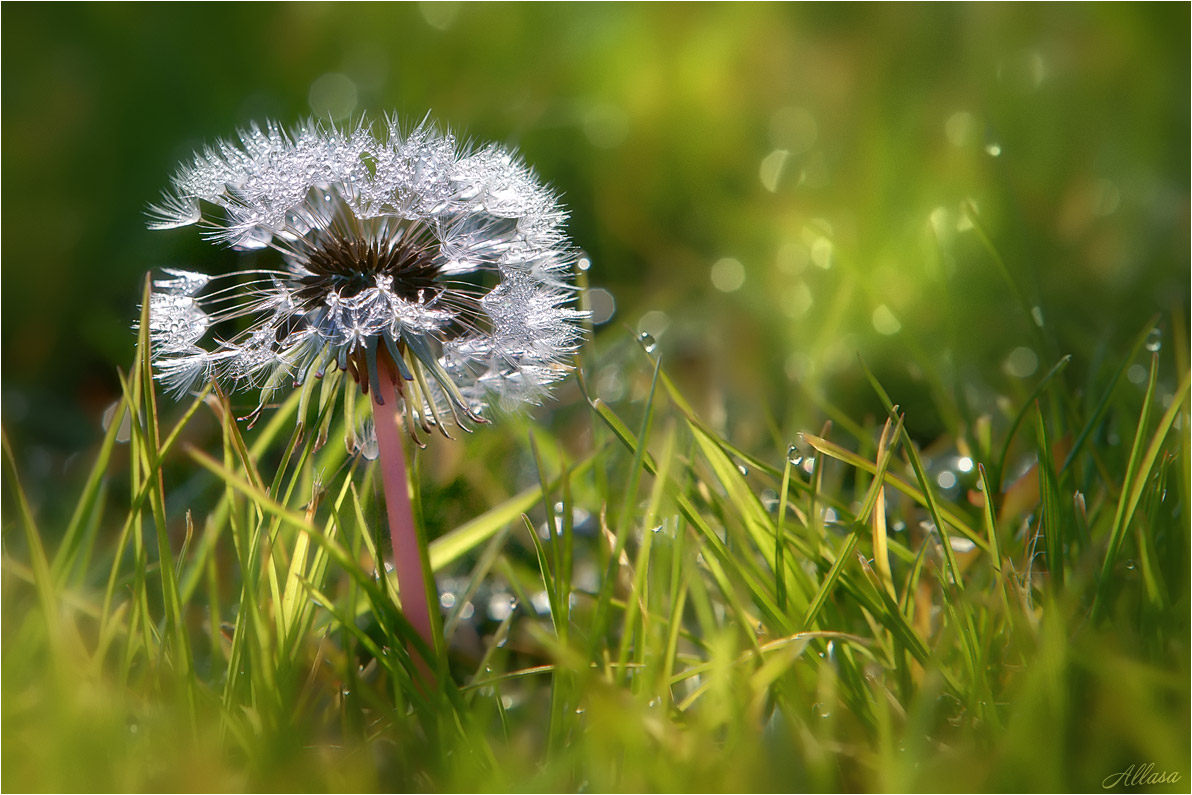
x=407 y=553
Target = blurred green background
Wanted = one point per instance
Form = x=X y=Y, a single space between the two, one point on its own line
x=767 y=189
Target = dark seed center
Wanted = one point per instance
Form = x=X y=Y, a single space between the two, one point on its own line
x=351 y=266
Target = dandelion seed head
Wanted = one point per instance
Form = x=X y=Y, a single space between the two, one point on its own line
x=402 y=254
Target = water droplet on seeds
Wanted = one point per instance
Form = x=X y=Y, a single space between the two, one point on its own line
x=1154 y=340
x=647 y=341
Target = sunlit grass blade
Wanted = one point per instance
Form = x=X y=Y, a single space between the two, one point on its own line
x=953 y=519
x=723 y=559
x=1137 y=474
x=1052 y=520
x=456 y=543
x=43 y=579
x=1027 y=405
x=1098 y=412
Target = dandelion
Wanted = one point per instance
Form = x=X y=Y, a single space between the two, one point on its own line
x=436 y=274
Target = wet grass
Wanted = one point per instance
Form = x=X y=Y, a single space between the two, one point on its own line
x=657 y=609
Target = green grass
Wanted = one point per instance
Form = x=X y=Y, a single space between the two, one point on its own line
x=816 y=613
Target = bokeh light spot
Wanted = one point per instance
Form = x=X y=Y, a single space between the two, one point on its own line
x=798 y=300
x=655 y=323
x=793 y=129
x=728 y=275
x=1021 y=362
x=821 y=253
x=333 y=96
x=439 y=16
x=961 y=128
x=885 y=322
x=602 y=304
x=793 y=258
x=772 y=167
x=605 y=125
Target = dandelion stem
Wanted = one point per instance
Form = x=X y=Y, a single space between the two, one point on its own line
x=410 y=560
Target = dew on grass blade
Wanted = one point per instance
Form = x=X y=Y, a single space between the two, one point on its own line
x=647 y=341
x=794 y=456
x=1154 y=340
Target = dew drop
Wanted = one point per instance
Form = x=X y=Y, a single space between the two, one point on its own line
x=1130 y=565
x=647 y=341
x=1154 y=340
x=583 y=263
x=993 y=150
x=794 y=456
x=1037 y=315
x=744 y=470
